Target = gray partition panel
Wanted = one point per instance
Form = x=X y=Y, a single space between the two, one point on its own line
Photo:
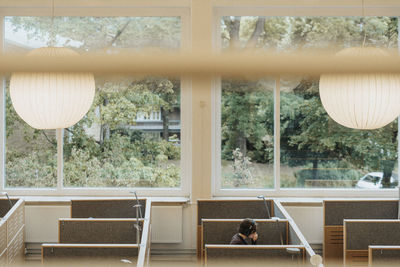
x=74 y=253
x=336 y=211
x=359 y=235
x=385 y=257
x=107 y=208
x=5 y=206
x=98 y=231
x=278 y=213
x=221 y=232
x=293 y=238
x=232 y=209
x=247 y=256
x=3 y=235
x=3 y=258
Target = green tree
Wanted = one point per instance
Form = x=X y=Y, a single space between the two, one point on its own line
x=101 y=149
x=307 y=132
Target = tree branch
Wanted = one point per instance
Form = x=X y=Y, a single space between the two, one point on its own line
x=48 y=139
x=68 y=130
x=118 y=34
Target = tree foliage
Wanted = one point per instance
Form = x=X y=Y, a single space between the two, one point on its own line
x=309 y=137
x=102 y=150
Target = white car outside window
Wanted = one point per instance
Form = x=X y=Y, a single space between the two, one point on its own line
x=373 y=180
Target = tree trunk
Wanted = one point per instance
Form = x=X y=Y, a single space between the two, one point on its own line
x=258 y=30
x=105 y=128
x=233 y=29
x=387 y=168
x=315 y=169
x=241 y=143
x=165 y=122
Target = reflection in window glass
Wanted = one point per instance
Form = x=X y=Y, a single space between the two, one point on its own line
x=131 y=135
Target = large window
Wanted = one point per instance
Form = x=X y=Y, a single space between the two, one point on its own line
x=315 y=151
x=272 y=133
x=131 y=137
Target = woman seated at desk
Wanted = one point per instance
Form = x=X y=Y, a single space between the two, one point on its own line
x=247 y=230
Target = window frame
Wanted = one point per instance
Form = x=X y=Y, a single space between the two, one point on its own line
x=275 y=10
x=177 y=8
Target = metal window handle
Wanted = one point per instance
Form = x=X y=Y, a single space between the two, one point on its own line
x=266 y=206
x=9 y=200
x=137 y=225
x=137 y=203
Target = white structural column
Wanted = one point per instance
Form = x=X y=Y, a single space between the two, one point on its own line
x=2 y=114
x=2 y=132
x=201 y=102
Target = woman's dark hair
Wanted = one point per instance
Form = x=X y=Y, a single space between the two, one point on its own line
x=247 y=227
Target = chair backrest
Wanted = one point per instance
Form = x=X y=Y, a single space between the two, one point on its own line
x=359 y=234
x=335 y=211
x=98 y=231
x=258 y=255
x=106 y=208
x=388 y=256
x=233 y=209
x=220 y=231
x=99 y=254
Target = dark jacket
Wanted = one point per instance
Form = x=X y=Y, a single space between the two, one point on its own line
x=238 y=240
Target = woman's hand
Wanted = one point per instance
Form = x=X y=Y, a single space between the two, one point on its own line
x=254 y=236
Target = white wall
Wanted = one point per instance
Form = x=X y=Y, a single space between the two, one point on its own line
x=42 y=224
x=310 y=221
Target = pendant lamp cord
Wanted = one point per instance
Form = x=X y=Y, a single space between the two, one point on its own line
x=52 y=32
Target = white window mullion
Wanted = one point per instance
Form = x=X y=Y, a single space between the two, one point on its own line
x=186 y=135
x=60 y=158
x=277 y=135
x=216 y=136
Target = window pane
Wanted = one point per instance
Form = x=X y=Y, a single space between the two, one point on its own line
x=315 y=150
x=247 y=113
x=131 y=135
x=318 y=152
x=101 y=34
x=129 y=138
x=247 y=135
x=31 y=155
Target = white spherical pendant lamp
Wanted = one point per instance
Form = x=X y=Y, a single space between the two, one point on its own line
x=52 y=100
x=361 y=100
